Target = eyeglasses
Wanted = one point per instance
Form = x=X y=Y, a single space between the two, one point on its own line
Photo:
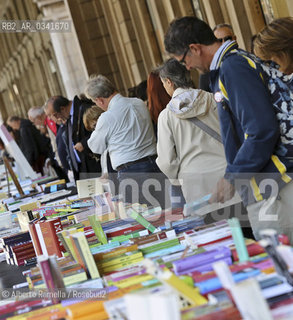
x=182 y=61
x=225 y=38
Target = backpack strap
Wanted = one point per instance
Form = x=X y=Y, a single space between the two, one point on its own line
x=207 y=129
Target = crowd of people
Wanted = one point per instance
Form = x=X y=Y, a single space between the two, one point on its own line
x=183 y=143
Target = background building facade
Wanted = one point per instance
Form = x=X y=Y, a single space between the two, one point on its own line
x=122 y=39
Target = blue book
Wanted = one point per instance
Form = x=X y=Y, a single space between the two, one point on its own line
x=215 y=283
x=192 y=207
x=166 y=251
x=105 y=247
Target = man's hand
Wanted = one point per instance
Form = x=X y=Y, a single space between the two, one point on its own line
x=79 y=147
x=223 y=192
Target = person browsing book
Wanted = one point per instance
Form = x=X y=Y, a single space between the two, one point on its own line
x=125 y=129
x=249 y=127
x=188 y=155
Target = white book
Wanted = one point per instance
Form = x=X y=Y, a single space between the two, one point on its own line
x=41 y=238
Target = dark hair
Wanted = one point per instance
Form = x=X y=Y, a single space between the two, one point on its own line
x=158 y=98
x=131 y=92
x=83 y=98
x=58 y=102
x=13 y=119
x=175 y=72
x=184 y=31
x=141 y=90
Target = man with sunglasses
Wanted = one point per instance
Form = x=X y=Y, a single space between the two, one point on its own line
x=224 y=32
x=249 y=127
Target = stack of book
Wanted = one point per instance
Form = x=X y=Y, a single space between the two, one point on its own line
x=42 y=276
x=18 y=248
x=44 y=236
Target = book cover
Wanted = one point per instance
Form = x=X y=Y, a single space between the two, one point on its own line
x=86 y=255
x=47 y=276
x=51 y=240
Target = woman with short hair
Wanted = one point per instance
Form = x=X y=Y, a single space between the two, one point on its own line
x=187 y=154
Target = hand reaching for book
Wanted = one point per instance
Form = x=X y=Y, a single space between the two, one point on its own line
x=223 y=192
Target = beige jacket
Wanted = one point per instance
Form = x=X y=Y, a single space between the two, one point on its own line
x=185 y=152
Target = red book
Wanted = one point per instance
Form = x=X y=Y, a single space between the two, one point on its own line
x=22 y=247
x=49 y=229
x=47 y=276
x=15 y=308
x=35 y=239
x=253 y=249
x=125 y=231
x=20 y=261
x=24 y=252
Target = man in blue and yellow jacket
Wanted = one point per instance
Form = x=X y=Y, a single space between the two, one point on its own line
x=249 y=127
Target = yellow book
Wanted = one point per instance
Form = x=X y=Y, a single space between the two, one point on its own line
x=75 y=278
x=29 y=206
x=133 y=280
x=66 y=236
x=86 y=254
x=192 y=295
x=114 y=252
x=85 y=308
x=119 y=260
x=62 y=181
x=120 y=265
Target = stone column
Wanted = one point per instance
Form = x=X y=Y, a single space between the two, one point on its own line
x=66 y=47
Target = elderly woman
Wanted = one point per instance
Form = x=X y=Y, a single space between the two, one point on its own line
x=187 y=152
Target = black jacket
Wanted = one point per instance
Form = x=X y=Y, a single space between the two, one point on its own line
x=31 y=142
x=89 y=164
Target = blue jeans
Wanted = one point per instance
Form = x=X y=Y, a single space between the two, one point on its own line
x=143 y=182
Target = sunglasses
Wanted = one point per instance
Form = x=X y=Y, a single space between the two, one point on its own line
x=226 y=38
x=182 y=61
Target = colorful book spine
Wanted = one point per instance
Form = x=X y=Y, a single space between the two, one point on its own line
x=124 y=231
x=40 y=237
x=99 y=232
x=115 y=252
x=121 y=265
x=86 y=255
x=120 y=259
x=129 y=236
x=48 y=229
x=105 y=247
x=166 y=251
x=47 y=276
x=159 y=246
x=140 y=219
x=200 y=259
x=238 y=239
